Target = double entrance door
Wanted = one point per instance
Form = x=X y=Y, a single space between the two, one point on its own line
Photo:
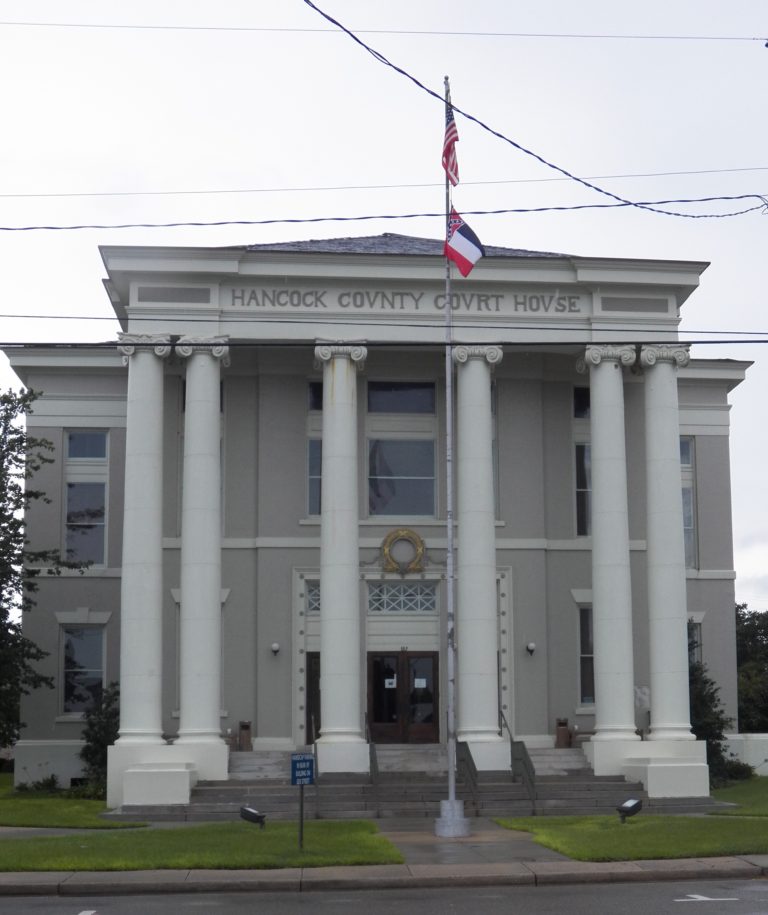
x=402 y=697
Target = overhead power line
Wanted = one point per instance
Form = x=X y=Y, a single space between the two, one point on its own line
x=378 y=56
x=447 y=33
x=373 y=187
x=645 y=205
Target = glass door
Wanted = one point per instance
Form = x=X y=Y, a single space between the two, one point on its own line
x=402 y=697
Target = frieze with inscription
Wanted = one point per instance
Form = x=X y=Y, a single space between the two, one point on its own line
x=537 y=303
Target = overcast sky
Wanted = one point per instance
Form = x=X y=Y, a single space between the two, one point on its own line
x=264 y=111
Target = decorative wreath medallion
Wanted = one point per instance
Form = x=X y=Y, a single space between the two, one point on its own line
x=402 y=550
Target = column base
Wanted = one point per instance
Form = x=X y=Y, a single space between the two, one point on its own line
x=490 y=754
x=187 y=762
x=342 y=756
x=140 y=738
x=680 y=733
x=667 y=768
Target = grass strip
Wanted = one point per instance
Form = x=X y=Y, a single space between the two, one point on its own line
x=219 y=846
x=604 y=838
x=34 y=808
x=751 y=796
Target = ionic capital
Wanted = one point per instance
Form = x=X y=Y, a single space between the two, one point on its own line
x=596 y=353
x=491 y=354
x=130 y=343
x=355 y=352
x=216 y=347
x=677 y=354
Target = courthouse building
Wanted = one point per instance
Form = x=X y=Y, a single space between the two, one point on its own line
x=256 y=472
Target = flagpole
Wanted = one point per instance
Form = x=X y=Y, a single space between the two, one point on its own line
x=452 y=821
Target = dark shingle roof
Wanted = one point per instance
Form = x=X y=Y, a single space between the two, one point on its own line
x=388 y=243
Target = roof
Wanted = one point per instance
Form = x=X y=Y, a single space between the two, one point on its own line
x=388 y=243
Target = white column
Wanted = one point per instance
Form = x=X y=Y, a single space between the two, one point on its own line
x=200 y=655
x=478 y=696
x=670 y=708
x=611 y=586
x=141 y=587
x=341 y=689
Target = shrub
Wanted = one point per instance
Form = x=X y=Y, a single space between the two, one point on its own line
x=102 y=725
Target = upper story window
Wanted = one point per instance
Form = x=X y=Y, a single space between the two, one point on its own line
x=315 y=395
x=314 y=475
x=86 y=474
x=401 y=429
x=581 y=403
x=583 y=489
x=87 y=446
x=401 y=477
x=687 y=472
x=401 y=397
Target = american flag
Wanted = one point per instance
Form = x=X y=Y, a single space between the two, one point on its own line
x=450 y=162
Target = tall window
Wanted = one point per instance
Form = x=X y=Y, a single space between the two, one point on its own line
x=586 y=658
x=401 y=431
x=86 y=496
x=401 y=477
x=687 y=471
x=401 y=397
x=583 y=489
x=315 y=462
x=581 y=403
x=82 y=667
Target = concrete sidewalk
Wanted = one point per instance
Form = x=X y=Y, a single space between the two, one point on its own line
x=491 y=856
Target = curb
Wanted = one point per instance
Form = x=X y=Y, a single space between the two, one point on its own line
x=378 y=877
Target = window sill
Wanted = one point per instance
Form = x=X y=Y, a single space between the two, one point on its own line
x=70 y=718
x=587 y=709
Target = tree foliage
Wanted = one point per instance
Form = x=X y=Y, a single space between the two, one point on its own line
x=102 y=724
x=21 y=456
x=709 y=721
x=752 y=662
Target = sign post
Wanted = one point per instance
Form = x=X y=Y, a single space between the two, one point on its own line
x=302 y=773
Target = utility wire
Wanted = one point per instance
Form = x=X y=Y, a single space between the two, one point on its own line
x=646 y=205
x=726 y=336
x=377 y=55
x=436 y=32
x=375 y=187
x=410 y=344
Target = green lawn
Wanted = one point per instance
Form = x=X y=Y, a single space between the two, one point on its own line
x=605 y=838
x=37 y=809
x=225 y=846
x=751 y=796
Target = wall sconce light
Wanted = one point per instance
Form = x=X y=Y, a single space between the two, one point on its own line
x=530 y=648
x=275 y=648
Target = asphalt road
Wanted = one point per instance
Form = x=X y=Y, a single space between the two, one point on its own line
x=729 y=897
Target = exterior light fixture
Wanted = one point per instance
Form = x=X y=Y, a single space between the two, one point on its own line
x=275 y=648
x=629 y=808
x=530 y=648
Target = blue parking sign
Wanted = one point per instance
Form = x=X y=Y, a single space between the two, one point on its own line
x=302 y=769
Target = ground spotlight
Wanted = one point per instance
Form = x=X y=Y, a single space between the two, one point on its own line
x=629 y=808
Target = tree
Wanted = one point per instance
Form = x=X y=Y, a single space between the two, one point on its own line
x=752 y=662
x=21 y=456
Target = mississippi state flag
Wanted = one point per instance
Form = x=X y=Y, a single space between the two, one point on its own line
x=462 y=246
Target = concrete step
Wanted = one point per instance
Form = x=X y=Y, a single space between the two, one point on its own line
x=551 y=761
